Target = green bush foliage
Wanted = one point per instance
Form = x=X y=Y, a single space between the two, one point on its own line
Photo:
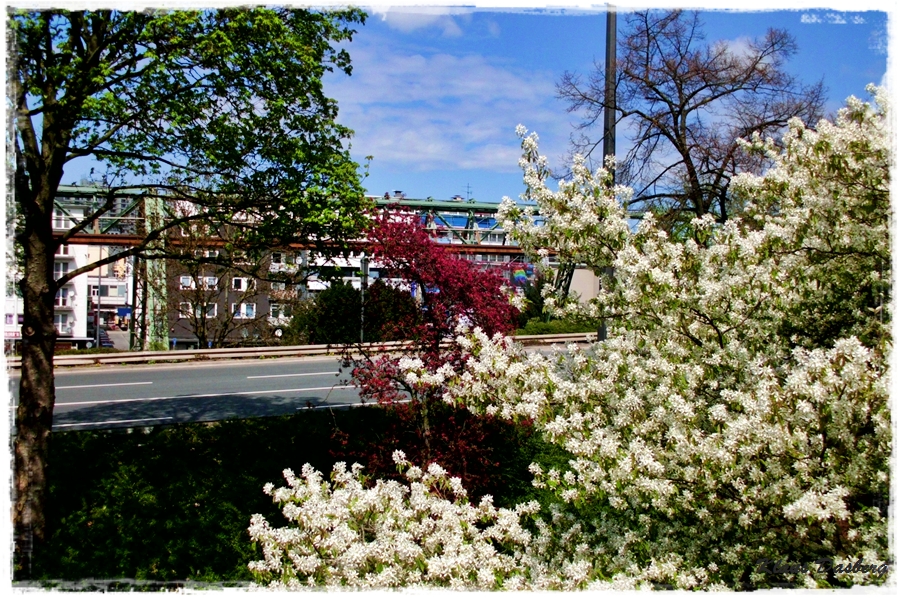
x=538 y=326
x=173 y=503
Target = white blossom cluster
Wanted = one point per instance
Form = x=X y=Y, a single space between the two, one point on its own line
x=738 y=410
x=345 y=534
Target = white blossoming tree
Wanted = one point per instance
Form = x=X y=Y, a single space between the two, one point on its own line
x=733 y=431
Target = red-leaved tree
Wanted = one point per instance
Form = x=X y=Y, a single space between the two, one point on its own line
x=451 y=291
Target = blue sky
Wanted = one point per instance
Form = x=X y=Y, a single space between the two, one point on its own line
x=436 y=92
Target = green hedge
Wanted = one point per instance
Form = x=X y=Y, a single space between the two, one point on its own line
x=174 y=503
x=537 y=326
x=91 y=351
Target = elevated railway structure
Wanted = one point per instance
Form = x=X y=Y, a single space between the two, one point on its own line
x=458 y=223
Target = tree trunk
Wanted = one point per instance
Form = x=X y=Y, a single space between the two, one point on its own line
x=34 y=414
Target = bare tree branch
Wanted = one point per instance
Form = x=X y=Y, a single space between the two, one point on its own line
x=687 y=102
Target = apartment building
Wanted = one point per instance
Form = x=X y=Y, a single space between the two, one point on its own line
x=72 y=300
x=72 y=303
x=102 y=295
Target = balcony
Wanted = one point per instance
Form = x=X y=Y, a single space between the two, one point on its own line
x=109 y=301
x=282 y=267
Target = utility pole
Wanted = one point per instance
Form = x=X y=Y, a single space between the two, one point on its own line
x=609 y=121
x=609 y=100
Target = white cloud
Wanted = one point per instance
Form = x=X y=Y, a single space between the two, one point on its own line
x=833 y=18
x=878 y=41
x=409 y=19
x=740 y=46
x=440 y=111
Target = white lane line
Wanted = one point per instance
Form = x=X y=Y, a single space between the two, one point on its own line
x=293 y=375
x=329 y=405
x=102 y=385
x=113 y=421
x=205 y=396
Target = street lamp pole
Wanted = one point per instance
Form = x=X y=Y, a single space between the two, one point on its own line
x=364 y=284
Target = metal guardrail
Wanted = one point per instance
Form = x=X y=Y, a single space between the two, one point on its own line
x=260 y=352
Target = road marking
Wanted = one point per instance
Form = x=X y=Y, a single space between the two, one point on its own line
x=112 y=421
x=360 y=404
x=100 y=385
x=294 y=375
x=204 y=396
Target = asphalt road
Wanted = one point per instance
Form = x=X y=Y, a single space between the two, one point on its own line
x=148 y=395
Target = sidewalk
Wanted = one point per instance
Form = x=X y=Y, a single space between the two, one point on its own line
x=119 y=338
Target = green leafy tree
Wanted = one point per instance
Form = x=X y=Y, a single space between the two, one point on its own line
x=218 y=116
x=337 y=315
x=391 y=313
x=333 y=317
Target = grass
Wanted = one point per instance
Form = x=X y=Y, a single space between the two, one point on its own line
x=174 y=503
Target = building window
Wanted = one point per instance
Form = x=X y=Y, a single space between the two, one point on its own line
x=243 y=311
x=61 y=220
x=278 y=286
x=277 y=257
x=186 y=282
x=279 y=310
x=240 y=284
x=64 y=297
x=186 y=311
x=107 y=290
x=210 y=282
x=60 y=269
x=63 y=250
x=9 y=319
x=61 y=321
